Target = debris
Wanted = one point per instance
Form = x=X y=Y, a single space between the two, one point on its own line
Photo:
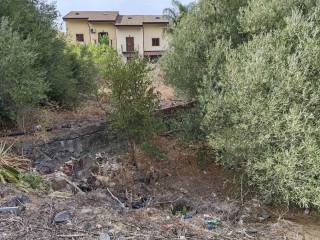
x=12 y=210
x=16 y=201
x=188 y=216
x=139 y=204
x=64 y=195
x=62 y=217
x=104 y=236
x=264 y=215
x=210 y=223
x=115 y=198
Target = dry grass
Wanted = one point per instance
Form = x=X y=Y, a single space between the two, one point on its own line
x=12 y=160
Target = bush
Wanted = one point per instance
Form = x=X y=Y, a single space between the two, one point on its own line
x=210 y=25
x=81 y=73
x=36 y=20
x=133 y=99
x=265 y=118
x=22 y=82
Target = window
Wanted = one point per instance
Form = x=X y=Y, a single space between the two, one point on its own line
x=155 y=42
x=103 y=38
x=80 y=37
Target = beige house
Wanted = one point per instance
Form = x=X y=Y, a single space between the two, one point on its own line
x=128 y=34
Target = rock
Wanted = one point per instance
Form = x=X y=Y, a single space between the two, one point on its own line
x=252 y=231
x=263 y=215
x=62 y=217
x=86 y=211
x=58 y=180
x=104 y=236
x=307 y=211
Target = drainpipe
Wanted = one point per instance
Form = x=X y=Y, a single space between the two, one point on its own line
x=142 y=39
x=89 y=32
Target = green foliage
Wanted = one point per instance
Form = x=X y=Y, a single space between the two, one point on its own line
x=153 y=151
x=9 y=174
x=134 y=99
x=32 y=180
x=22 y=82
x=177 y=12
x=210 y=25
x=34 y=21
x=263 y=16
x=254 y=69
x=104 y=40
x=266 y=118
x=82 y=75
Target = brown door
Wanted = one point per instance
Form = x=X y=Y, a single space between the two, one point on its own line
x=130 y=44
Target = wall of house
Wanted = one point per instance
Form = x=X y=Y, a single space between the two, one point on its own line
x=74 y=27
x=155 y=31
x=132 y=31
x=104 y=27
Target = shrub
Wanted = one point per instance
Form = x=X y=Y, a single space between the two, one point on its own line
x=265 y=117
x=204 y=28
x=36 y=20
x=133 y=99
x=81 y=73
x=22 y=82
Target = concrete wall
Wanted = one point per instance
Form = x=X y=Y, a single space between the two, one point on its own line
x=133 y=31
x=77 y=27
x=155 y=31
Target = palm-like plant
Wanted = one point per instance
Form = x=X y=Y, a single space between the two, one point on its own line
x=177 y=12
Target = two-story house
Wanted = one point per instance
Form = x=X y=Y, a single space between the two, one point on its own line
x=128 y=34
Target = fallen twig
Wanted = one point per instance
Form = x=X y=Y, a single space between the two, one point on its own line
x=73 y=185
x=72 y=235
x=117 y=199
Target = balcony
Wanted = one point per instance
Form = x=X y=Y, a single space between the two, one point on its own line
x=132 y=51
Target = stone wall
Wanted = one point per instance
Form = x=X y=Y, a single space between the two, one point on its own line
x=80 y=144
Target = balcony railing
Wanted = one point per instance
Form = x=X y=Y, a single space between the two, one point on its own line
x=125 y=50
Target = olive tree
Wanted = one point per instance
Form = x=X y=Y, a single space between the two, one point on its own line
x=265 y=120
x=22 y=83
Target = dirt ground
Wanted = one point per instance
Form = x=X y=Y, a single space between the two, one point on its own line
x=167 y=196
x=163 y=198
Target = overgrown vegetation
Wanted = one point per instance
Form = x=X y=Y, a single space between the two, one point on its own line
x=132 y=96
x=253 y=67
x=16 y=169
x=35 y=63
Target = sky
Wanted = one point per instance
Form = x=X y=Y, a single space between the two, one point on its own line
x=138 y=7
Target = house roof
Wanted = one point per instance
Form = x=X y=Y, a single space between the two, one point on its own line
x=113 y=16
x=138 y=20
x=93 y=15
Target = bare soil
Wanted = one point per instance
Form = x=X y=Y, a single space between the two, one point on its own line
x=151 y=193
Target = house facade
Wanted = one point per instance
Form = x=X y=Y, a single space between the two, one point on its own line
x=128 y=34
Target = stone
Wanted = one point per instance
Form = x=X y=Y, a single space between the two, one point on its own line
x=104 y=236
x=85 y=211
x=58 y=180
x=62 y=217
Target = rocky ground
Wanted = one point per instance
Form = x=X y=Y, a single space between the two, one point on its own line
x=162 y=198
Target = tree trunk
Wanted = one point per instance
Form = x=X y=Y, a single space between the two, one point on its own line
x=132 y=152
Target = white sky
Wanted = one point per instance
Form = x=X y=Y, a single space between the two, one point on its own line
x=123 y=6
